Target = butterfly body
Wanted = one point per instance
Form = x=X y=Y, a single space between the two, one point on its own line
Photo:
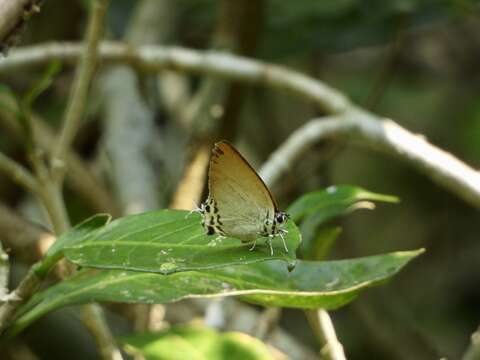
x=239 y=204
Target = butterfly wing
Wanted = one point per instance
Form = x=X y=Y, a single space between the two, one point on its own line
x=242 y=199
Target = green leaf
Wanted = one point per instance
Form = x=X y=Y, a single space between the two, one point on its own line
x=311 y=285
x=168 y=241
x=78 y=233
x=323 y=242
x=311 y=211
x=195 y=343
x=332 y=202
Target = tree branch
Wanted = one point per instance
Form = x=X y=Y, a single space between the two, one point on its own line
x=383 y=135
x=440 y=166
x=81 y=83
x=18 y=173
x=79 y=176
x=51 y=179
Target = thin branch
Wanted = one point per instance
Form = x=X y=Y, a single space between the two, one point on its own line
x=18 y=173
x=331 y=348
x=440 y=166
x=386 y=136
x=216 y=63
x=79 y=176
x=83 y=76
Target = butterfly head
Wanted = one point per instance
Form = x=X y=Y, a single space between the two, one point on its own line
x=281 y=217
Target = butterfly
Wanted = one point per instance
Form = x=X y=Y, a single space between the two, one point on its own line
x=239 y=203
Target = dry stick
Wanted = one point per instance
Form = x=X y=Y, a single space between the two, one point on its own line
x=440 y=166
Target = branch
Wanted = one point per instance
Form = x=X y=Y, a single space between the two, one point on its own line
x=50 y=186
x=81 y=83
x=331 y=348
x=13 y=14
x=440 y=166
x=79 y=177
x=216 y=63
x=386 y=136
x=18 y=173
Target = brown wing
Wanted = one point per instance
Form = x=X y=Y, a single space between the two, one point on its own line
x=243 y=199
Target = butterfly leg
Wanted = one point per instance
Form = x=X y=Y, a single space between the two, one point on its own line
x=269 y=241
x=196 y=209
x=281 y=234
x=254 y=244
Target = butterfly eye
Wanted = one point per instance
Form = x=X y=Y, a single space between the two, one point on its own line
x=281 y=217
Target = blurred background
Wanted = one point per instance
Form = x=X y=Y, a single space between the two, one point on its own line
x=414 y=61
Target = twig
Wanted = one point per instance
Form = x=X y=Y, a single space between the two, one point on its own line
x=18 y=173
x=81 y=83
x=331 y=348
x=473 y=351
x=440 y=166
